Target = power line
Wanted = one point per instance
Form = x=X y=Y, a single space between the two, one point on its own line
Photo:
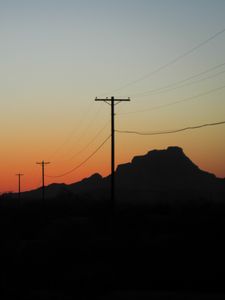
x=175 y=85
x=81 y=120
x=90 y=142
x=171 y=131
x=175 y=102
x=85 y=129
x=82 y=163
x=191 y=83
x=171 y=62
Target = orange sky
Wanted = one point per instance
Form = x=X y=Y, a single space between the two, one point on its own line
x=54 y=64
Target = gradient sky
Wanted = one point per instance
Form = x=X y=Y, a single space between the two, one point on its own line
x=57 y=56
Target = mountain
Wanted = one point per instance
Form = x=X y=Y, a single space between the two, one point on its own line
x=169 y=168
x=167 y=173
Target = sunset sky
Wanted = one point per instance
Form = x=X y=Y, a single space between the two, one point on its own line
x=56 y=56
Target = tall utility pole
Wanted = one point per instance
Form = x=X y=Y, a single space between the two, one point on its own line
x=19 y=186
x=112 y=102
x=43 y=163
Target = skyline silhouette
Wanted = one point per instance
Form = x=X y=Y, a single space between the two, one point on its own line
x=160 y=170
x=113 y=147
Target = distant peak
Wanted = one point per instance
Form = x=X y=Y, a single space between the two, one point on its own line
x=95 y=176
x=171 y=153
x=171 y=149
x=175 y=149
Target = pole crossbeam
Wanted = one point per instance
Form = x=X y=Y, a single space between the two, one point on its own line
x=111 y=99
x=112 y=102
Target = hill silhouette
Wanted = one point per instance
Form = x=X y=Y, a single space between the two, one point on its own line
x=170 y=171
x=163 y=169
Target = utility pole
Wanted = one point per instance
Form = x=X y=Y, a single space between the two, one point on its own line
x=19 y=186
x=112 y=102
x=43 y=163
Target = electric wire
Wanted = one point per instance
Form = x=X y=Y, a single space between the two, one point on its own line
x=82 y=163
x=171 y=131
x=90 y=142
x=171 y=62
x=190 y=83
x=83 y=132
x=175 y=85
x=174 y=102
x=71 y=134
x=89 y=124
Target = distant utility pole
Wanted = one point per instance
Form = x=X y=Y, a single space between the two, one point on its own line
x=19 y=186
x=112 y=102
x=43 y=163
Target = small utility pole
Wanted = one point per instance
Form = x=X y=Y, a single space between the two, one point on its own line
x=43 y=163
x=19 y=186
x=112 y=102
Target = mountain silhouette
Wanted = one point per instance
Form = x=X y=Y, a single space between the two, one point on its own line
x=166 y=173
x=163 y=169
x=147 y=176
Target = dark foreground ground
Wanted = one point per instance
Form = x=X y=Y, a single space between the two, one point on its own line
x=164 y=251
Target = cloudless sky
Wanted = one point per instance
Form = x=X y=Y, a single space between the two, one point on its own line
x=57 y=56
